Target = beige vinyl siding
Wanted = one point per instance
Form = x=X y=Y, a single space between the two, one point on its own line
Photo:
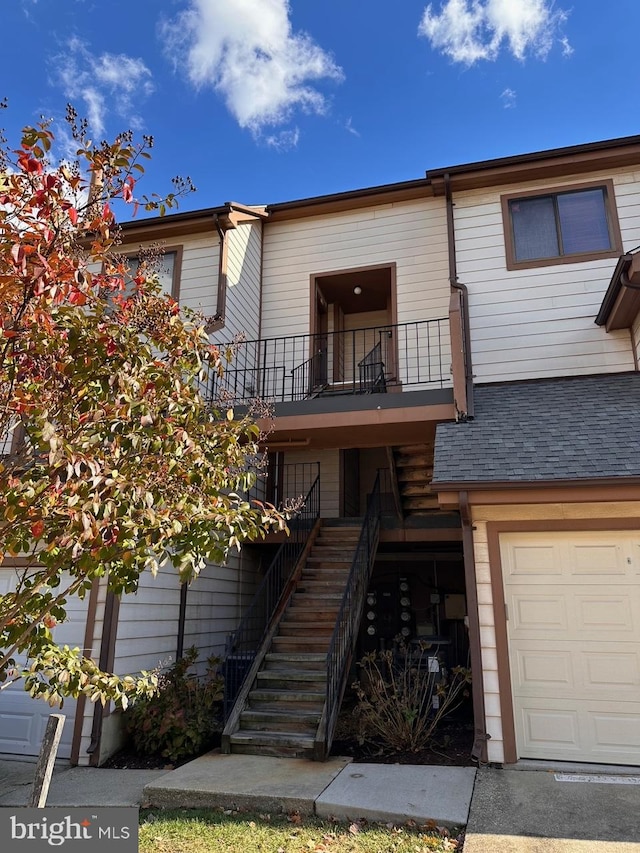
x=217 y=600
x=529 y=512
x=538 y=322
x=148 y=623
x=329 y=477
x=412 y=235
x=242 y=313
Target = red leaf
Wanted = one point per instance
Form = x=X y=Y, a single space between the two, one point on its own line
x=37 y=529
x=73 y=215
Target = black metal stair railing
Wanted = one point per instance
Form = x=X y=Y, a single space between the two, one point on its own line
x=371 y=371
x=345 y=632
x=243 y=645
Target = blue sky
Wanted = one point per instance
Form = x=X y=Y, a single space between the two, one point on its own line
x=262 y=101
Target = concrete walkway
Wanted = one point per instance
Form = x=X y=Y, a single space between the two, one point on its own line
x=536 y=811
x=335 y=788
x=508 y=811
x=76 y=786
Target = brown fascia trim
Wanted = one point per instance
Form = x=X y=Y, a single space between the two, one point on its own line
x=552 y=163
x=495 y=485
x=621 y=302
x=191 y=222
x=172 y=225
x=338 y=202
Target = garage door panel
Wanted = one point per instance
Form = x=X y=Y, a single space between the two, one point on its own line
x=574 y=644
x=548 y=669
x=537 y=613
x=542 y=669
x=612 y=670
x=588 y=613
x=604 y=613
x=534 y=561
x=547 y=729
x=603 y=559
x=616 y=730
x=23 y=720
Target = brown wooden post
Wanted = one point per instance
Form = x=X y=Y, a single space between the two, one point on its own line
x=46 y=761
x=458 y=354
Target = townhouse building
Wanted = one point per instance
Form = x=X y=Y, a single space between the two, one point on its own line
x=451 y=366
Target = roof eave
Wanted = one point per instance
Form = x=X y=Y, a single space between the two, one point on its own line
x=552 y=163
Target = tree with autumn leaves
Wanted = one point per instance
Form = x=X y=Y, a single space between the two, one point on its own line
x=114 y=462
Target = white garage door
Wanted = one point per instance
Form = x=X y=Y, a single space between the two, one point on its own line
x=573 y=607
x=22 y=719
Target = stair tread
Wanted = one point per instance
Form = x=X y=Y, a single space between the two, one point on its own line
x=296 y=656
x=273 y=715
x=284 y=738
x=293 y=674
x=275 y=694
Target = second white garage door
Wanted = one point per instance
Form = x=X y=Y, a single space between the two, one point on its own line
x=573 y=608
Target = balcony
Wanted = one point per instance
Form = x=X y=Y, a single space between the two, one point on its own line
x=404 y=357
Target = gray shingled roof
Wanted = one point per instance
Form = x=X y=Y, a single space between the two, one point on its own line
x=573 y=428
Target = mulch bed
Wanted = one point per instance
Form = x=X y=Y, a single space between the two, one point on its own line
x=451 y=747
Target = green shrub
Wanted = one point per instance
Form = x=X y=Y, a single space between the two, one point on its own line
x=182 y=718
x=402 y=699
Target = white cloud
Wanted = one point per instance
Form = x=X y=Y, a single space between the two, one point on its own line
x=470 y=30
x=567 y=50
x=508 y=99
x=285 y=140
x=349 y=126
x=246 y=50
x=105 y=82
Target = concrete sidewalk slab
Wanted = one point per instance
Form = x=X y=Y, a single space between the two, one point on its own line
x=254 y=782
x=76 y=786
x=398 y=793
x=527 y=811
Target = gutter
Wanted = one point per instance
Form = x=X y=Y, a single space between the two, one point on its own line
x=221 y=299
x=464 y=297
x=619 y=279
x=480 y=737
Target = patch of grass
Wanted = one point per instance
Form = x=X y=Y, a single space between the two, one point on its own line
x=210 y=831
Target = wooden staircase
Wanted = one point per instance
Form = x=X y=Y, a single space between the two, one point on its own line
x=413 y=465
x=280 y=712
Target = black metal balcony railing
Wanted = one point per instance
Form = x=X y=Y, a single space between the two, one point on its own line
x=358 y=361
x=242 y=646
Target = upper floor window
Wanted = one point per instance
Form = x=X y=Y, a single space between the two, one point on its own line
x=166 y=265
x=565 y=226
